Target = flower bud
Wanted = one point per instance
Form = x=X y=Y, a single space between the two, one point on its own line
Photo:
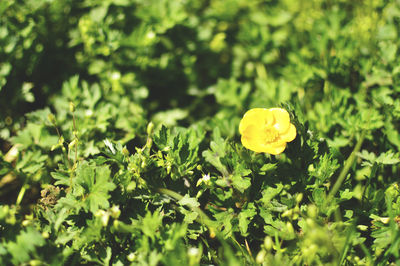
x=150 y=128
x=168 y=169
x=198 y=195
x=72 y=144
x=299 y=197
x=115 y=211
x=289 y=228
x=51 y=118
x=105 y=218
x=212 y=233
x=199 y=182
x=71 y=107
x=45 y=235
x=268 y=243
x=260 y=256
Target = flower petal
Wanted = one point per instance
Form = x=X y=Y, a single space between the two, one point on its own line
x=274 y=150
x=251 y=144
x=290 y=134
x=253 y=138
x=248 y=119
x=282 y=119
x=268 y=117
x=256 y=116
x=254 y=133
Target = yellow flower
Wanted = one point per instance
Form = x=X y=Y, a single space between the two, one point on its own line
x=266 y=130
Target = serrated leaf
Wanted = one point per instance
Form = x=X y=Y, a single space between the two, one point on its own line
x=161 y=138
x=96 y=183
x=150 y=223
x=26 y=242
x=217 y=150
x=388 y=158
x=184 y=153
x=325 y=168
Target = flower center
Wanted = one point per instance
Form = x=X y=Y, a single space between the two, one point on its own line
x=271 y=134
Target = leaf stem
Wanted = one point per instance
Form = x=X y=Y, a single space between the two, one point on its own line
x=349 y=162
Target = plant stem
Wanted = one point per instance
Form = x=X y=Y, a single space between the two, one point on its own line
x=21 y=194
x=349 y=162
x=75 y=138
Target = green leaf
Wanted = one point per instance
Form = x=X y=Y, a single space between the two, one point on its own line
x=269 y=193
x=212 y=156
x=268 y=167
x=241 y=183
x=150 y=224
x=188 y=201
x=325 y=168
x=96 y=183
x=25 y=244
x=62 y=178
x=319 y=196
x=388 y=158
x=161 y=138
x=245 y=217
x=170 y=117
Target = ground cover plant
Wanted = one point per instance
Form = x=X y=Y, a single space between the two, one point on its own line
x=120 y=140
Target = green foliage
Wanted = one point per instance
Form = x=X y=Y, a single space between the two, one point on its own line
x=119 y=139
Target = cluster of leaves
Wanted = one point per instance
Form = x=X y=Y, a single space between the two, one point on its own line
x=111 y=152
